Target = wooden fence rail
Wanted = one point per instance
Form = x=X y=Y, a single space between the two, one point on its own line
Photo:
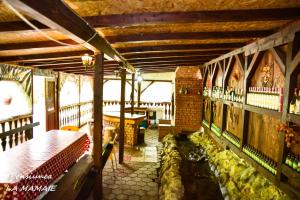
x=78 y=114
x=16 y=130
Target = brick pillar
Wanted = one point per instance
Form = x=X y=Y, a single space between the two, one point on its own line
x=188 y=100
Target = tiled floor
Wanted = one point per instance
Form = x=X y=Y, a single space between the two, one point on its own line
x=133 y=179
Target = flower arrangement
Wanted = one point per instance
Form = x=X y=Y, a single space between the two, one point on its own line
x=289 y=134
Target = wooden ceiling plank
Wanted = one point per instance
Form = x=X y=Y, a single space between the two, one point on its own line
x=62 y=62
x=175 y=17
x=30 y=45
x=172 y=54
x=59 y=65
x=187 y=36
x=208 y=47
x=168 y=59
x=73 y=66
x=43 y=57
x=195 y=17
x=169 y=64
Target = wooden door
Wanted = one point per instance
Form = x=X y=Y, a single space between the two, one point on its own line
x=51 y=106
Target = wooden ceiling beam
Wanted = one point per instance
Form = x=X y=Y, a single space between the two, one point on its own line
x=131 y=57
x=174 y=17
x=144 y=55
x=116 y=66
x=187 y=36
x=30 y=45
x=171 y=61
x=148 y=70
x=170 y=64
x=54 y=61
x=44 y=57
x=74 y=66
x=81 y=69
x=209 y=47
x=46 y=44
x=159 y=66
x=56 y=64
x=194 y=17
x=110 y=63
x=61 y=62
x=57 y=15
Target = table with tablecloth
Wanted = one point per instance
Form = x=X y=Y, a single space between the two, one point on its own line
x=31 y=168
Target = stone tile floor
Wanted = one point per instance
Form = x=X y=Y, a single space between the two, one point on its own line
x=133 y=179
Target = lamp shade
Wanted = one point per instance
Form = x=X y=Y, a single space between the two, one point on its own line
x=87 y=60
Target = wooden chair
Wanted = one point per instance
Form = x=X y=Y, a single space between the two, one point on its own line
x=113 y=153
x=110 y=136
x=69 y=128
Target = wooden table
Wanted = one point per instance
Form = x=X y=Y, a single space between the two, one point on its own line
x=131 y=125
x=31 y=167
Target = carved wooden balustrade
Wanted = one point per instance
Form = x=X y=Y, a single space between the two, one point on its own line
x=16 y=130
x=166 y=106
x=76 y=114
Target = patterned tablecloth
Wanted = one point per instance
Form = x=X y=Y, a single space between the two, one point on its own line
x=30 y=168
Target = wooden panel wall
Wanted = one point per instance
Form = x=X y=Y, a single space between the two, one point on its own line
x=208 y=81
x=234 y=122
x=217 y=113
x=219 y=78
x=277 y=75
x=262 y=134
x=206 y=108
x=236 y=77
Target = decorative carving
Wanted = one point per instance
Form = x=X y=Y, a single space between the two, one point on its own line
x=267 y=79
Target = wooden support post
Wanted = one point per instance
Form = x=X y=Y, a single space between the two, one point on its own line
x=79 y=105
x=245 y=114
x=132 y=93
x=98 y=123
x=57 y=93
x=122 y=116
x=289 y=84
x=139 y=93
x=224 y=107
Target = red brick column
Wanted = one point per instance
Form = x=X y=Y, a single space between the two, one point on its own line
x=188 y=106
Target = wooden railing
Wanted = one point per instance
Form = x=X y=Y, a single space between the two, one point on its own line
x=166 y=106
x=76 y=114
x=115 y=103
x=16 y=131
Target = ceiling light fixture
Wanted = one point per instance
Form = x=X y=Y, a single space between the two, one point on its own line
x=139 y=77
x=87 y=60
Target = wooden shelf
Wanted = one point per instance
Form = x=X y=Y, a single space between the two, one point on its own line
x=233 y=103
x=293 y=193
x=294 y=118
x=264 y=111
x=289 y=172
x=205 y=123
x=223 y=142
x=230 y=135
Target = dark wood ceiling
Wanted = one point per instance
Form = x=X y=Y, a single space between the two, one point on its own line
x=153 y=36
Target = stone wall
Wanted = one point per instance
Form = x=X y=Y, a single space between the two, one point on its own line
x=188 y=99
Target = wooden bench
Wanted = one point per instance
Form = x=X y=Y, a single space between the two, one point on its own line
x=79 y=181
